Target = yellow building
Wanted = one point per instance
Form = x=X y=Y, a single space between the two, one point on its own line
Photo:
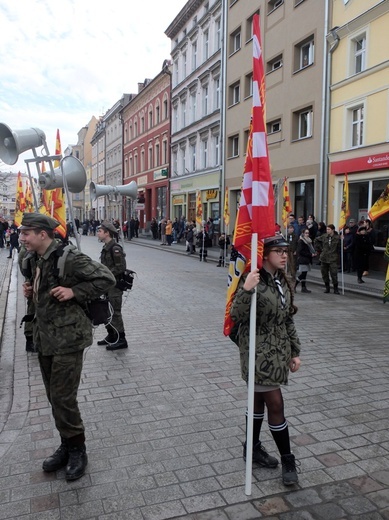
x=359 y=108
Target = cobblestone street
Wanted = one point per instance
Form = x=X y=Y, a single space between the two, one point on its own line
x=165 y=418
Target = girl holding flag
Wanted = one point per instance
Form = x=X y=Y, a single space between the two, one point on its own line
x=277 y=349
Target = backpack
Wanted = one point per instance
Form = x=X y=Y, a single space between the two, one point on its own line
x=126 y=278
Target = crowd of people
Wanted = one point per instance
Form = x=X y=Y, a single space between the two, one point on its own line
x=348 y=250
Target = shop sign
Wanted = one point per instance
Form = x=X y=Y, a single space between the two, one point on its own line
x=141 y=180
x=178 y=200
x=211 y=194
x=361 y=164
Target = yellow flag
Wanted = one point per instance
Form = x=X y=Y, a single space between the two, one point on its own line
x=226 y=209
x=381 y=205
x=20 y=206
x=386 y=288
x=199 y=209
x=345 y=209
x=58 y=198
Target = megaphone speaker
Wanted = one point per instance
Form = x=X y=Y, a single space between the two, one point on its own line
x=99 y=190
x=13 y=143
x=128 y=190
x=73 y=171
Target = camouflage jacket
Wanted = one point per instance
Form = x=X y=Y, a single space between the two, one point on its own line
x=329 y=248
x=276 y=340
x=113 y=257
x=63 y=327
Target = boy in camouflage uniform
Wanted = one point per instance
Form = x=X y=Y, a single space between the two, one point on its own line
x=113 y=257
x=61 y=331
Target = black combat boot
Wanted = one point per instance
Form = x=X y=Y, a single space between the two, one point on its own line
x=336 y=290
x=304 y=287
x=110 y=338
x=327 y=288
x=261 y=456
x=30 y=347
x=78 y=460
x=58 y=459
x=289 y=470
x=120 y=343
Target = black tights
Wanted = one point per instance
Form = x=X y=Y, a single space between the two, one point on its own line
x=274 y=404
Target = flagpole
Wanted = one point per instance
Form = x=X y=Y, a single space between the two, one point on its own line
x=251 y=379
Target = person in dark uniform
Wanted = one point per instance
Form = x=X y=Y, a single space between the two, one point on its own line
x=113 y=257
x=61 y=330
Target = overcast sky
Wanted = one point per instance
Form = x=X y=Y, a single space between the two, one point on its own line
x=64 y=61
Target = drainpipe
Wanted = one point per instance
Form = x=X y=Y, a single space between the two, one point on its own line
x=222 y=181
x=325 y=124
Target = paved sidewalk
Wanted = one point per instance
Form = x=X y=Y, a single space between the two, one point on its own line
x=165 y=419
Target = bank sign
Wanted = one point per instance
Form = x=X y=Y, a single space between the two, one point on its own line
x=361 y=164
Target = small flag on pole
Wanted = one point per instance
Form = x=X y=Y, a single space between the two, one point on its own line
x=58 y=198
x=20 y=206
x=226 y=214
x=381 y=206
x=286 y=206
x=344 y=210
x=199 y=209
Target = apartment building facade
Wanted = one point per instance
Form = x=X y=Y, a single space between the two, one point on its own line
x=293 y=46
x=146 y=145
x=196 y=96
x=359 y=131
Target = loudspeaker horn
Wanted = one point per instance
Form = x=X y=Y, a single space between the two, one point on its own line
x=73 y=171
x=97 y=190
x=13 y=143
x=128 y=190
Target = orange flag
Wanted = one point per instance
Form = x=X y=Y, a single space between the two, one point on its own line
x=58 y=198
x=20 y=206
x=256 y=206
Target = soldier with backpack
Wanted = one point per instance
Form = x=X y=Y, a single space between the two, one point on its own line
x=61 y=329
x=113 y=257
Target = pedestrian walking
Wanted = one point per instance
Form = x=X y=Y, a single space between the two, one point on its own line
x=277 y=349
x=362 y=249
x=61 y=330
x=113 y=257
x=305 y=252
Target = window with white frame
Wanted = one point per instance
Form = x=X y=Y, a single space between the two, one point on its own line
x=194 y=56
x=157 y=113
x=183 y=65
x=204 y=153
x=142 y=124
x=175 y=117
x=193 y=156
x=357 y=115
x=234 y=93
x=216 y=142
x=205 y=99
x=304 y=54
x=175 y=162
x=142 y=160
x=150 y=165
x=233 y=146
x=235 y=41
x=164 y=151
x=182 y=159
x=165 y=108
x=273 y=4
x=183 y=113
x=151 y=118
x=206 y=44
x=157 y=155
x=218 y=34
x=248 y=85
x=217 y=94
x=274 y=64
x=274 y=126
x=302 y=124
x=175 y=72
x=360 y=54
x=193 y=100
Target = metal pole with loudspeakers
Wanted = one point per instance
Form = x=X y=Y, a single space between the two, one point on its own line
x=70 y=175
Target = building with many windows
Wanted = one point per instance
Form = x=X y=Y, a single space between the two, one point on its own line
x=293 y=45
x=146 y=144
x=196 y=36
x=359 y=131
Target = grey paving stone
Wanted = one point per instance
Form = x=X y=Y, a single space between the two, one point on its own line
x=357 y=505
x=242 y=512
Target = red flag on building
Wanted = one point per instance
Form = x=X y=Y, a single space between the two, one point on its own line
x=58 y=197
x=286 y=205
x=256 y=206
x=20 y=205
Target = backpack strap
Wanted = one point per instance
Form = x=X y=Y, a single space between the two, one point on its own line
x=60 y=257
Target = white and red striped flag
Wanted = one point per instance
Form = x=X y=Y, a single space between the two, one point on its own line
x=256 y=206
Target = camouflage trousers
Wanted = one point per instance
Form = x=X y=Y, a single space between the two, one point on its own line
x=116 y=298
x=61 y=377
x=328 y=269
